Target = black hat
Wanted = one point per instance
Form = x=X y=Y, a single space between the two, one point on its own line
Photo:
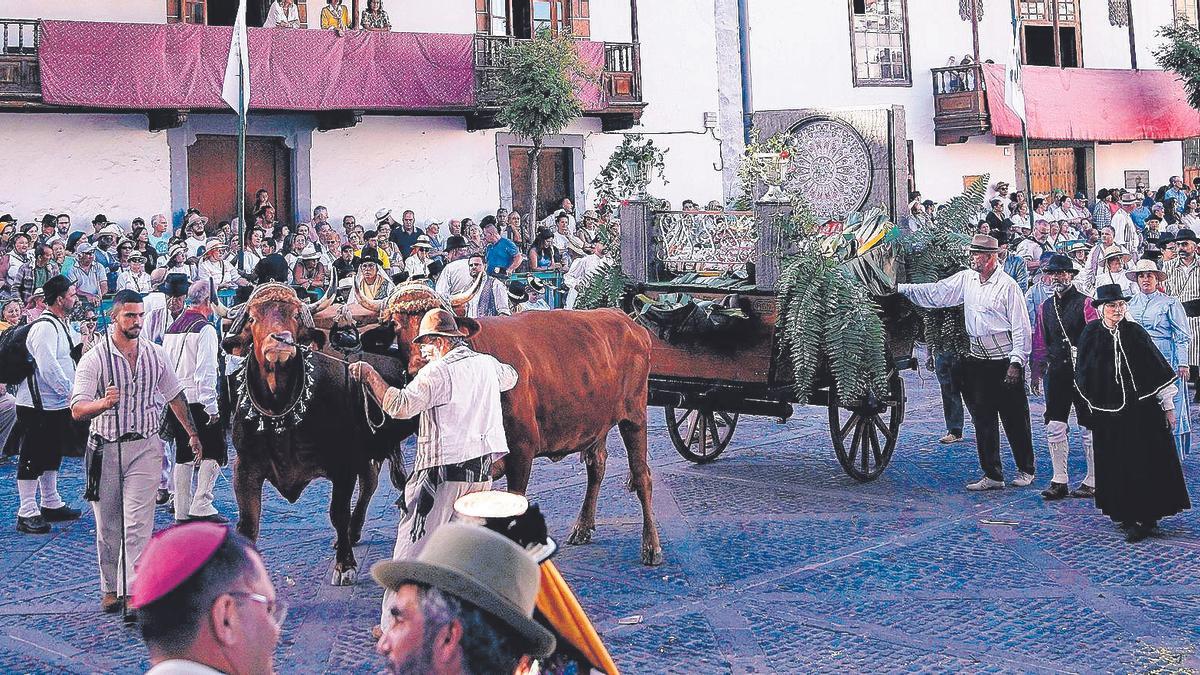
x=1059 y=263
x=1109 y=293
x=1153 y=216
x=7 y=218
x=1184 y=234
x=517 y=291
x=100 y=218
x=175 y=285
x=454 y=242
x=369 y=254
x=1163 y=239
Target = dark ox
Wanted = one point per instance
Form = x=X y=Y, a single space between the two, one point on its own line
x=331 y=438
x=566 y=400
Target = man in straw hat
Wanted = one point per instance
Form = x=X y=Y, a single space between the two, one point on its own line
x=463 y=605
x=1183 y=284
x=206 y=604
x=135 y=278
x=1059 y=321
x=461 y=430
x=213 y=266
x=1164 y=319
x=993 y=382
x=417 y=262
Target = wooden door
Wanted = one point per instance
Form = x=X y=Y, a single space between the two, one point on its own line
x=1051 y=168
x=212 y=175
x=555 y=179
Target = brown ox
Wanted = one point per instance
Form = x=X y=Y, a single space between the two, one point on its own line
x=551 y=415
x=298 y=420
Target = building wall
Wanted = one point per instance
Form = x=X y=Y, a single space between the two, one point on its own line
x=609 y=21
x=83 y=164
x=816 y=72
x=421 y=16
x=134 y=11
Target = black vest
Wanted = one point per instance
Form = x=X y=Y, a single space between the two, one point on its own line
x=1070 y=309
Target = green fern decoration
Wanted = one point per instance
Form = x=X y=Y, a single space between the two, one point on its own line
x=605 y=288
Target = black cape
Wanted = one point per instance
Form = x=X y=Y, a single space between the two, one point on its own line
x=1119 y=374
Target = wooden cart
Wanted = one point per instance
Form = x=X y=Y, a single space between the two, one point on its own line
x=704 y=388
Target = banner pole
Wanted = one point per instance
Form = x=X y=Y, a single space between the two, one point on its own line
x=241 y=169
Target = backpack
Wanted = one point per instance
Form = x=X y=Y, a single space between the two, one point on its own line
x=16 y=363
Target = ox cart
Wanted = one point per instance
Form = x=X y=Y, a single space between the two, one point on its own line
x=705 y=385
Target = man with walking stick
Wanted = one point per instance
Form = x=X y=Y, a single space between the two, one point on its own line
x=117 y=387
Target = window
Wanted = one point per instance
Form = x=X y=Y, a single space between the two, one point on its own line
x=1041 y=44
x=1187 y=12
x=187 y=11
x=524 y=18
x=223 y=12
x=879 y=37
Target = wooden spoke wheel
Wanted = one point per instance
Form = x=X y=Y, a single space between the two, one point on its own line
x=864 y=435
x=700 y=435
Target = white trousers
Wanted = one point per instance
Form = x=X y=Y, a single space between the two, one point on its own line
x=442 y=513
x=140 y=467
x=1060 y=448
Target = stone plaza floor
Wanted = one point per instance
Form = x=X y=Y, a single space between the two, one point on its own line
x=775 y=562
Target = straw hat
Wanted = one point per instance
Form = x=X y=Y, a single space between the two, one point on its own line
x=1114 y=251
x=1145 y=265
x=982 y=243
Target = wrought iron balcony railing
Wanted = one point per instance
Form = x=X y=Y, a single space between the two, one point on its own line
x=959 y=103
x=18 y=59
x=620 y=80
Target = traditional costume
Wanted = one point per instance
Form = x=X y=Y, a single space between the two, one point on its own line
x=1183 y=284
x=1164 y=320
x=997 y=324
x=1060 y=320
x=1127 y=385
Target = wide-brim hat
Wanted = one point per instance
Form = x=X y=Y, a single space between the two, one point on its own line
x=382 y=214
x=195 y=218
x=1115 y=251
x=1184 y=234
x=455 y=242
x=422 y=242
x=518 y=291
x=1130 y=198
x=982 y=243
x=8 y=219
x=136 y=257
x=440 y=322
x=1153 y=216
x=1059 y=263
x=175 y=285
x=368 y=255
x=112 y=230
x=1077 y=245
x=310 y=254
x=590 y=214
x=177 y=249
x=536 y=285
x=214 y=244
x=1163 y=239
x=84 y=247
x=1109 y=293
x=483 y=568
x=501 y=511
x=1145 y=265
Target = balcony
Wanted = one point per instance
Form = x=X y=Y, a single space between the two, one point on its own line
x=616 y=96
x=19 y=82
x=959 y=104
x=166 y=71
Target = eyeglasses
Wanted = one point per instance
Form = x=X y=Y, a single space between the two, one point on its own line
x=277 y=609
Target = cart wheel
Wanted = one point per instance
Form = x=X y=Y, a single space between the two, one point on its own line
x=864 y=436
x=700 y=435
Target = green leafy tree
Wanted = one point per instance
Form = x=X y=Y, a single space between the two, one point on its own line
x=1180 y=54
x=536 y=88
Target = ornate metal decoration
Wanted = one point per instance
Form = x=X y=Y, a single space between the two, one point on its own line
x=1118 y=12
x=252 y=412
x=964 y=9
x=831 y=168
x=690 y=241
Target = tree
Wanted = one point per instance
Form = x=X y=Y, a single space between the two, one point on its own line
x=536 y=87
x=1180 y=54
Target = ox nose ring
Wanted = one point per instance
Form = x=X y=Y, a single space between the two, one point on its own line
x=284 y=338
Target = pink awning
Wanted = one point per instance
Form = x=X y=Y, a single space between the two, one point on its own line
x=1087 y=104
x=149 y=66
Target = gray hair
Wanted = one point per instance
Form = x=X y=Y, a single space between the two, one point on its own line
x=488 y=644
x=157 y=218
x=198 y=293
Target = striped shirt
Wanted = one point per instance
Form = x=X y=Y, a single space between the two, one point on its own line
x=144 y=387
x=1183 y=282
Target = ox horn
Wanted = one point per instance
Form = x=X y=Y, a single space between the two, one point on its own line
x=461 y=299
x=327 y=299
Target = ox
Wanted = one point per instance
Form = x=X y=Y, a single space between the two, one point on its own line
x=566 y=401
x=298 y=418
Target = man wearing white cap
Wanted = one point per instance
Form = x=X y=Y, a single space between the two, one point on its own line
x=216 y=268
x=417 y=263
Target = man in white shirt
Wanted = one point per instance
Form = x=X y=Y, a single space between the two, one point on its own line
x=993 y=381
x=214 y=266
x=191 y=345
x=195 y=242
x=16 y=259
x=581 y=270
x=456 y=276
x=417 y=262
x=1125 y=232
x=42 y=409
x=461 y=429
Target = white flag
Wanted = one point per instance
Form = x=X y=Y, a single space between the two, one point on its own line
x=237 y=68
x=1014 y=95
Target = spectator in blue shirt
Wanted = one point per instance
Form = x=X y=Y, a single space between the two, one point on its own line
x=1179 y=192
x=503 y=256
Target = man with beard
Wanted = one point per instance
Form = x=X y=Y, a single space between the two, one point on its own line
x=1183 y=283
x=1060 y=320
x=119 y=387
x=993 y=383
x=464 y=605
x=460 y=433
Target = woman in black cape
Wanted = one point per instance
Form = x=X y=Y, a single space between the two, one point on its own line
x=1130 y=390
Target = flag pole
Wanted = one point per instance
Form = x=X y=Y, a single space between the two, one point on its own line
x=1024 y=113
x=241 y=170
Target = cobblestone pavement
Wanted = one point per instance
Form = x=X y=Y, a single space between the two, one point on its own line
x=775 y=562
